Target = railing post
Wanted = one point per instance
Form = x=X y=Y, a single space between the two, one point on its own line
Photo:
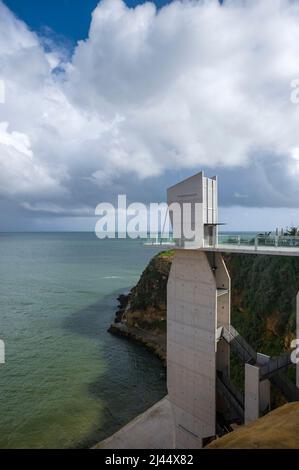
x=256 y=241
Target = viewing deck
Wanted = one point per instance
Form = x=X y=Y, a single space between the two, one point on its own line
x=247 y=244
x=259 y=244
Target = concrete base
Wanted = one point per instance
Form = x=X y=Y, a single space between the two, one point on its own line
x=153 y=429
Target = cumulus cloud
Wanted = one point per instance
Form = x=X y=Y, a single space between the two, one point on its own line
x=194 y=84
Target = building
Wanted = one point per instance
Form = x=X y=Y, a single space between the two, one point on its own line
x=198 y=202
x=199 y=331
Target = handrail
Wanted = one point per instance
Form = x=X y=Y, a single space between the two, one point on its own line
x=233 y=396
x=287 y=388
x=244 y=351
x=260 y=240
x=275 y=364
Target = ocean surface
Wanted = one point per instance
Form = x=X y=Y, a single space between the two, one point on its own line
x=67 y=382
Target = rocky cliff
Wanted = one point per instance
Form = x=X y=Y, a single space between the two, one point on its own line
x=141 y=315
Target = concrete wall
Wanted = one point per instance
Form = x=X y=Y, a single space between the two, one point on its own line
x=223 y=282
x=265 y=386
x=188 y=191
x=252 y=393
x=191 y=347
x=200 y=193
x=210 y=200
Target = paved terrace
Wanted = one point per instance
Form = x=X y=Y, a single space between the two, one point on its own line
x=153 y=429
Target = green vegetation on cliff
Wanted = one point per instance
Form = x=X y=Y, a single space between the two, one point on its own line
x=147 y=300
x=264 y=290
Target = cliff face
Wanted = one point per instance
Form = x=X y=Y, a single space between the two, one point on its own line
x=264 y=292
x=141 y=316
x=147 y=301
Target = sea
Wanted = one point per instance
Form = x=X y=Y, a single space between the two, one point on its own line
x=67 y=382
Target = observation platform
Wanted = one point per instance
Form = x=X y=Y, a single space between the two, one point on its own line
x=246 y=244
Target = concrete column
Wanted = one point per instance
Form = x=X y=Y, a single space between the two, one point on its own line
x=252 y=393
x=223 y=284
x=191 y=347
x=265 y=386
x=265 y=396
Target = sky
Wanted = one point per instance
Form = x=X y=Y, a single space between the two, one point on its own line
x=107 y=98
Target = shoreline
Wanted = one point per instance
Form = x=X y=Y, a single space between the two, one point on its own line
x=154 y=343
x=141 y=314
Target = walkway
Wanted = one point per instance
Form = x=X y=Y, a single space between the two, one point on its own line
x=153 y=429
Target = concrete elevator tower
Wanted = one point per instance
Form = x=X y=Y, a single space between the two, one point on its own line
x=199 y=332
x=198 y=303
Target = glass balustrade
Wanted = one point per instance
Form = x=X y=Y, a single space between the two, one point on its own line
x=259 y=241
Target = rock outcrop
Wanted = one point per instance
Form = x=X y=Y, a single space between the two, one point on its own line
x=141 y=315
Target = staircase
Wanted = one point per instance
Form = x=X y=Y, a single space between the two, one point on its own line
x=234 y=399
x=272 y=370
x=238 y=344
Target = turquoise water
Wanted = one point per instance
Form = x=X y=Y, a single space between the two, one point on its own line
x=66 y=381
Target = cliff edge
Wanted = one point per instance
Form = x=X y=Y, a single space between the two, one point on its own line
x=141 y=315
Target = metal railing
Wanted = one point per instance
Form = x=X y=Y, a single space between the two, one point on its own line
x=275 y=364
x=156 y=241
x=257 y=241
x=239 y=345
x=232 y=396
x=285 y=386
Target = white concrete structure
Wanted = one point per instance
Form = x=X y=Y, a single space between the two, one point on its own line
x=257 y=391
x=191 y=348
x=198 y=301
x=197 y=198
x=265 y=386
x=199 y=331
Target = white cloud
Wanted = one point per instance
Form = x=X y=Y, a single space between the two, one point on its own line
x=193 y=84
x=19 y=173
x=16 y=140
x=58 y=210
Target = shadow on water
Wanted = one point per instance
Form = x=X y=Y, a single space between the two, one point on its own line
x=133 y=379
